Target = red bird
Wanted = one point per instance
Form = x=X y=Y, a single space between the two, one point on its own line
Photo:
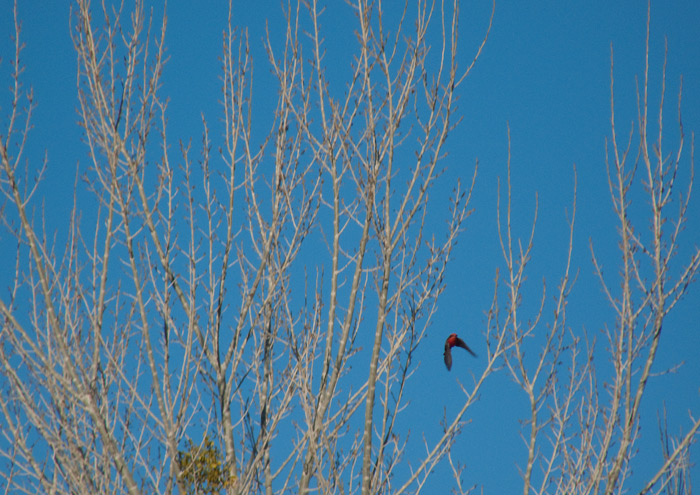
x=451 y=342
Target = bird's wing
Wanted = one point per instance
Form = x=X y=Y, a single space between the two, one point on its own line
x=460 y=343
x=448 y=357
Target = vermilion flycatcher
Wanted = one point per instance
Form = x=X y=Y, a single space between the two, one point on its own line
x=451 y=342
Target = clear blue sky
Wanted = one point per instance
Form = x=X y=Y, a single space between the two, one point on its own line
x=545 y=71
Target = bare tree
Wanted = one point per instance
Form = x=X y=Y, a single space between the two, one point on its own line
x=583 y=425
x=190 y=287
x=243 y=315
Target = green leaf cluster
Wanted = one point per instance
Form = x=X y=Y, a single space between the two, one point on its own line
x=203 y=470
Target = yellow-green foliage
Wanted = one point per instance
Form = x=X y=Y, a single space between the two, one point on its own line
x=203 y=470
